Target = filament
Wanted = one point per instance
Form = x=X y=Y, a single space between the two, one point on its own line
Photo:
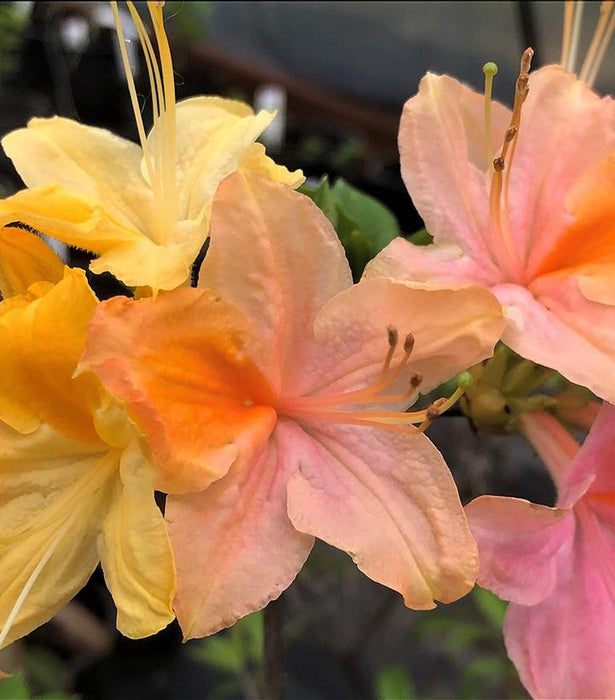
x=567 y=31
x=597 y=63
x=606 y=8
x=575 y=34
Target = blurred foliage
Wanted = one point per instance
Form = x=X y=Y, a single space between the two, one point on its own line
x=393 y=682
x=421 y=237
x=13 y=21
x=237 y=655
x=363 y=224
x=189 y=20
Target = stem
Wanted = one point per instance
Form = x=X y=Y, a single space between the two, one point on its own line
x=274 y=651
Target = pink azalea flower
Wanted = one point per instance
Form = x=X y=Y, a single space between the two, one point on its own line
x=557 y=565
x=249 y=403
x=540 y=234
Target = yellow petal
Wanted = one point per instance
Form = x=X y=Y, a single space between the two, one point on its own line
x=135 y=551
x=40 y=345
x=256 y=159
x=25 y=259
x=88 y=161
x=52 y=501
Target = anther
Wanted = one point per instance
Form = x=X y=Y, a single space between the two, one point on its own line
x=393 y=336
x=498 y=164
x=416 y=380
x=433 y=410
x=409 y=343
x=511 y=132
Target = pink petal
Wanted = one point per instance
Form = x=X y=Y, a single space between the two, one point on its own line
x=597 y=454
x=557 y=327
x=558 y=450
x=275 y=256
x=518 y=543
x=452 y=330
x=564 y=647
x=443 y=161
x=390 y=502
x=565 y=128
x=235 y=548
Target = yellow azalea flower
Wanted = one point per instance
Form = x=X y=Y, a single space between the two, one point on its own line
x=144 y=209
x=75 y=487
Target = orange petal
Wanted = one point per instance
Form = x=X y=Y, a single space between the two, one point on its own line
x=179 y=365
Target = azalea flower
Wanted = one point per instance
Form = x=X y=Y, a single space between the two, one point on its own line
x=249 y=395
x=143 y=209
x=76 y=487
x=556 y=564
x=535 y=224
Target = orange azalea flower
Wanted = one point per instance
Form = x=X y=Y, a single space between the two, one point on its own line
x=250 y=398
x=144 y=209
x=76 y=487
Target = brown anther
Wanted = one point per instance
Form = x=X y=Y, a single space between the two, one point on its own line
x=526 y=60
x=498 y=164
x=393 y=336
x=433 y=410
x=416 y=380
x=511 y=132
x=409 y=343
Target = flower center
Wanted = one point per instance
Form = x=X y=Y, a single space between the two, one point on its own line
x=350 y=407
x=160 y=150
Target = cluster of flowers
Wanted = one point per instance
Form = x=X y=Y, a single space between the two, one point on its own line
x=270 y=401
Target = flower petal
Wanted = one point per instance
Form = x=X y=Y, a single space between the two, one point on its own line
x=564 y=647
x=553 y=325
x=275 y=256
x=452 y=330
x=87 y=161
x=518 y=543
x=24 y=260
x=565 y=128
x=179 y=365
x=135 y=551
x=443 y=161
x=388 y=500
x=40 y=345
x=596 y=456
x=52 y=503
x=234 y=545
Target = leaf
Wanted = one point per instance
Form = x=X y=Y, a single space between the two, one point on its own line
x=393 y=683
x=491 y=607
x=14 y=688
x=421 y=237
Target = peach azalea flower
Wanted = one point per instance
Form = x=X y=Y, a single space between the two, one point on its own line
x=556 y=565
x=249 y=395
x=540 y=234
x=76 y=488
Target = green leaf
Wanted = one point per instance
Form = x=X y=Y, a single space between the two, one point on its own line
x=373 y=219
x=393 y=683
x=491 y=607
x=14 y=688
x=421 y=237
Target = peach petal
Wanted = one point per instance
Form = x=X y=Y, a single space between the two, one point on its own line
x=389 y=501
x=443 y=161
x=235 y=547
x=452 y=330
x=557 y=327
x=518 y=543
x=276 y=257
x=179 y=365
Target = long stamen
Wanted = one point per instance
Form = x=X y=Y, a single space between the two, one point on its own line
x=490 y=70
x=133 y=92
x=592 y=73
x=574 y=39
x=506 y=252
x=567 y=31
x=606 y=8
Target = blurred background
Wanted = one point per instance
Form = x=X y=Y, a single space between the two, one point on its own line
x=338 y=73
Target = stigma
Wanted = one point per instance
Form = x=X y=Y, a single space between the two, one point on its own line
x=352 y=407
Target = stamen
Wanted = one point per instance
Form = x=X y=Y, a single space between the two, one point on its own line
x=504 y=248
x=393 y=338
x=605 y=12
x=567 y=31
x=490 y=69
x=576 y=33
x=594 y=68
